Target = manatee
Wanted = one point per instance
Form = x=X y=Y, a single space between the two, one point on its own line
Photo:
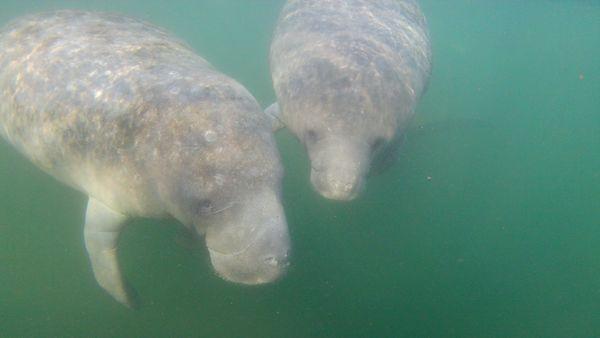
x=133 y=118
x=347 y=75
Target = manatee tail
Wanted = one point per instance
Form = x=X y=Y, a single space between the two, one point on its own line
x=274 y=115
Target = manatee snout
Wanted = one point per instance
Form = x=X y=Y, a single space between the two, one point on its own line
x=254 y=246
x=262 y=261
x=342 y=183
x=338 y=169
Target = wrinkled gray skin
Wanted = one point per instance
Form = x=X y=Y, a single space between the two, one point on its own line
x=132 y=117
x=347 y=75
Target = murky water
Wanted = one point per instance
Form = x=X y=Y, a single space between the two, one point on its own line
x=488 y=225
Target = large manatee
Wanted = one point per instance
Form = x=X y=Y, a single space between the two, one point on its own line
x=347 y=75
x=131 y=116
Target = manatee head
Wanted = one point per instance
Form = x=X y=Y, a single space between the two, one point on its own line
x=341 y=159
x=246 y=233
x=223 y=179
x=343 y=119
x=249 y=243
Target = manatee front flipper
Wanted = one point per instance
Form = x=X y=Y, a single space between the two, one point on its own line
x=102 y=228
x=388 y=156
x=274 y=114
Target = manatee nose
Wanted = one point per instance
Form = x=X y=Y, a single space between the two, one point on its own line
x=252 y=247
x=338 y=167
x=342 y=183
x=263 y=261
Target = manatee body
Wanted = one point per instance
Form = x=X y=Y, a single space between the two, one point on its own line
x=347 y=75
x=126 y=113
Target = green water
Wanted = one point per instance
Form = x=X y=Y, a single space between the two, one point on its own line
x=488 y=225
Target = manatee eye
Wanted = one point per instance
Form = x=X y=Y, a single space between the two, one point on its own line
x=377 y=144
x=204 y=206
x=311 y=136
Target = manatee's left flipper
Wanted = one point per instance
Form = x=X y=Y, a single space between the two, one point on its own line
x=102 y=228
x=274 y=114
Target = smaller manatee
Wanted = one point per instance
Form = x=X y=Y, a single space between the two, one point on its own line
x=347 y=75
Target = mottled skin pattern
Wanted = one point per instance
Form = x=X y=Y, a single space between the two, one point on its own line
x=131 y=116
x=348 y=74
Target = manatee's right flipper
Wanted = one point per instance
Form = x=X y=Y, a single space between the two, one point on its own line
x=453 y=125
x=274 y=114
x=102 y=228
x=388 y=157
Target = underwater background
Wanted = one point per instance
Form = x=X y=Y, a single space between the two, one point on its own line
x=488 y=225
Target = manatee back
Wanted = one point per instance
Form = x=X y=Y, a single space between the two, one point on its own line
x=103 y=102
x=65 y=71
x=381 y=47
x=76 y=86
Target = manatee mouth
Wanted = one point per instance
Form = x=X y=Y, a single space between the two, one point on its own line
x=264 y=257
x=251 y=245
x=237 y=268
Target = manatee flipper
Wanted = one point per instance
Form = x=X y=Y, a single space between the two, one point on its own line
x=274 y=114
x=388 y=157
x=453 y=125
x=102 y=228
